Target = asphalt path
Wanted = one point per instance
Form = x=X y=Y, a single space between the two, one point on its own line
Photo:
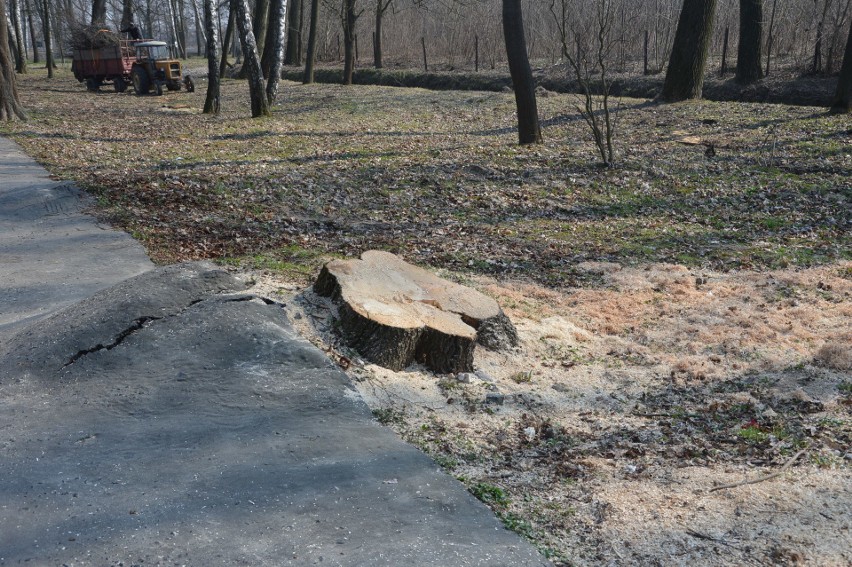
x=168 y=416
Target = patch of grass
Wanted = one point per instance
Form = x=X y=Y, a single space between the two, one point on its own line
x=445 y=462
x=449 y=384
x=490 y=494
x=752 y=434
x=389 y=416
x=522 y=377
x=517 y=524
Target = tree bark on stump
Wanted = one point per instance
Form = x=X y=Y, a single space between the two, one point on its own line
x=395 y=314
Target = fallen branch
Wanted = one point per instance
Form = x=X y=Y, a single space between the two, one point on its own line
x=765 y=478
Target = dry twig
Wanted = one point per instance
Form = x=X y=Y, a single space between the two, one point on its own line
x=765 y=478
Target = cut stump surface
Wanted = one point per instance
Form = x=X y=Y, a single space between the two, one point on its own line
x=394 y=314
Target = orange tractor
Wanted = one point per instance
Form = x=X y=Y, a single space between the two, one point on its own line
x=145 y=64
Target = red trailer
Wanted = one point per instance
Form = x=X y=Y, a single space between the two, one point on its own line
x=113 y=63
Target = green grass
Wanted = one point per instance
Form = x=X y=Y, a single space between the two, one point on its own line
x=490 y=494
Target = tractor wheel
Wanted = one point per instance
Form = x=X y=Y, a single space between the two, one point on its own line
x=141 y=84
x=93 y=85
x=173 y=86
x=119 y=84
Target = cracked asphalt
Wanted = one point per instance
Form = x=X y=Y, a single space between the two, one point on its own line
x=168 y=416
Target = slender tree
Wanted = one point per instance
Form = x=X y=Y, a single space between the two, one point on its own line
x=20 y=44
x=529 y=131
x=31 y=25
x=381 y=7
x=226 y=43
x=47 y=34
x=685 y=74
x=842 y=102
x=293 y=56
x=275 y=40
x=10 y=104
x=749 y=56
x=350 y=17
x=312 y=44
x=259 y=106
x=211 y=103
x=260 y=25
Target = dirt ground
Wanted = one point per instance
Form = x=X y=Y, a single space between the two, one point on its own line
x=632 y=415
x=684 y=316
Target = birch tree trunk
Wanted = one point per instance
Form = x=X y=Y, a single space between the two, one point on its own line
x=251 y=59
x=277 y=27
x=211 y=103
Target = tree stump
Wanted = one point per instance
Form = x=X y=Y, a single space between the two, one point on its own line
x=394 y=314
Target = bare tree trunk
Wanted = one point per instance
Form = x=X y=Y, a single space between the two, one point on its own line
x=226 y=43
x=685 y=74
x=771 y=37
x=277 y=27
x=10 y=104
x=816 y=67
x=381 y=7
x=126 y=14
x=312 y=43
x=749 y=54
x=349 y=19
x=251 y=59
x=259 y=26
x=20 y=45
x=200 y=28
x=31 y=24
x=98 y=12
x=529 y=131
x=48 y=38
x=211 y=15
x=843 y=96
x=294 y=33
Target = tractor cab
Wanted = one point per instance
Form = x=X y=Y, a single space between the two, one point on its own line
x=154 y=67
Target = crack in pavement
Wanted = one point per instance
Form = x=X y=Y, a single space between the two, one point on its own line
x=139 y=323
